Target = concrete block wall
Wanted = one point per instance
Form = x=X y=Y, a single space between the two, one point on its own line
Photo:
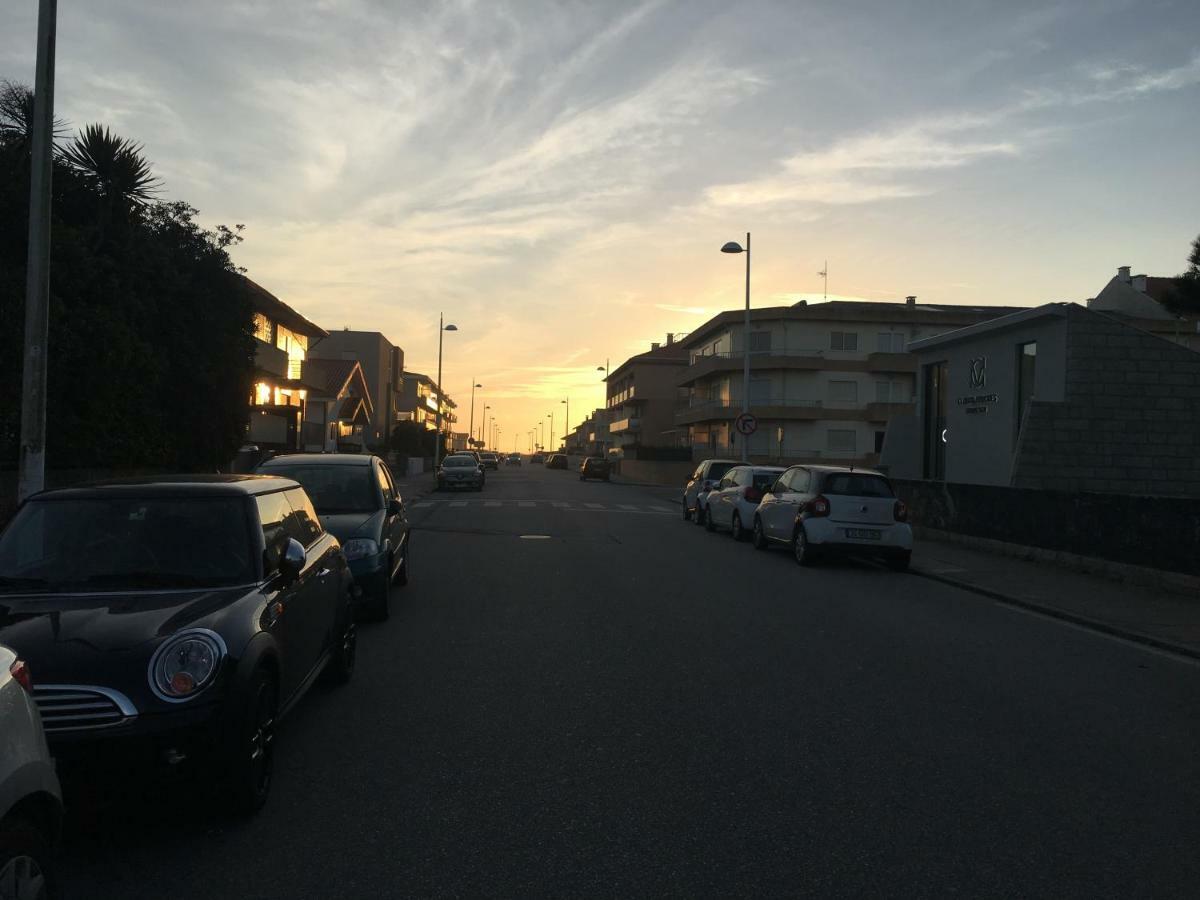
x=1130 y=422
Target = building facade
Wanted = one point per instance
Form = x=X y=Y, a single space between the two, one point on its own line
x=382 y=362
x=1138 y=300
x=277 y=401
x=418 y=402
x=643 y=394
x=825 y=378
x=338 y=413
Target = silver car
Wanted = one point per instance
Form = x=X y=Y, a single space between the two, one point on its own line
x=460 y=472
x=30 y=797
x=703 y=480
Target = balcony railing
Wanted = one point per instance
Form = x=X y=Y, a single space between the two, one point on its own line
x=633 y=423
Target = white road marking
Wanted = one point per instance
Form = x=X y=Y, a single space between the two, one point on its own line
x=421 y=505
x=594 y=505
x=560 y=504
x=458 y=504
x=526 y=503
x=625 y=506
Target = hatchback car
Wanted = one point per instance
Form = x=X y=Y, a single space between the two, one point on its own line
x=359 y=504
x=460 y=472
x=514 y=459
x=175 y=620
x=733 y=502
x=819 y=510
x=594 y=467
x=30 y=797
x=703 y=480
x=474 y=454
x=489 y=460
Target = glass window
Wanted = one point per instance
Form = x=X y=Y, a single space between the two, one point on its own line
x=1026 y=378
x=889 y=342
x=843 y=391
x=385 y=484
x=273 y=513
x=716 y=470
x=760 y=341
x=760 y=390
x=333 y=489
x=764 y=480
x=304 y=515
x=843 y=340
x=853 y=484
x=843 y=439
x=262 y=328
x=800 y=480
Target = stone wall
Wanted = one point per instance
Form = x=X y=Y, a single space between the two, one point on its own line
x=1130 y=422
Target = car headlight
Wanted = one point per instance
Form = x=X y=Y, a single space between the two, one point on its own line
x=357 y=548
x=186 y=664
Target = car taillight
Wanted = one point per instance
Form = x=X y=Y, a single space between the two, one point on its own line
x=19 y=670
x=817 y=507
x=900 y=511
x=752 y=495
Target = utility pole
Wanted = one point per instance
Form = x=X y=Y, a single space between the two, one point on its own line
x=824 y=273
x=31 y=476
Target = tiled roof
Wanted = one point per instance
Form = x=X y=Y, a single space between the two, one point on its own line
x=328 y=375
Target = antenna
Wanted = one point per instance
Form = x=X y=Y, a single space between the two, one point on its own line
x=824 y=273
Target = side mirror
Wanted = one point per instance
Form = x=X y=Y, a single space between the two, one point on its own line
x=395 y=507
x=292 y=561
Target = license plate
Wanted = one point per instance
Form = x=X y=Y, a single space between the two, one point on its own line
x=864 y=534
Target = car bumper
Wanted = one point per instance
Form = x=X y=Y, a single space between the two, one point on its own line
x=370 y=574
x=894 y=539
x=151 y=740
x=460 y=482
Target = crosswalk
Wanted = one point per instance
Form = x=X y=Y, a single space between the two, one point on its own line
x=449 y=502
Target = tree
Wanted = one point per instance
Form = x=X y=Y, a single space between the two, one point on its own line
x=1184 y=298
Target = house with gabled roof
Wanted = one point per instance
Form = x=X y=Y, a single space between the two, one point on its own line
x=338 y=414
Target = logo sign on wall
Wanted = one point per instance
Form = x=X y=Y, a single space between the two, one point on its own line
x=977 y=373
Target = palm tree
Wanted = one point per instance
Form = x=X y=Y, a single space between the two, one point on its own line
x=115 y=168
x=16 y=116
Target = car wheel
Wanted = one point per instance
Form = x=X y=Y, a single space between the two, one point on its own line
x=900 y=563
x=252 y=762
x=709 y=524
x=341 y=664
x=24 y=861
x=801 y=549
x=735 y=528
x=759 y=536
x=687 y=513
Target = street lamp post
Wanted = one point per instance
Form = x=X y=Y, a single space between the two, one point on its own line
x=604 y=369
x=735 y=247
x=437 y=444
x=567 y=424
x=550 y=416
x=482 y=430
x=471 y=433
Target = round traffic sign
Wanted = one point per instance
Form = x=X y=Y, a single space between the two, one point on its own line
x=746 y=424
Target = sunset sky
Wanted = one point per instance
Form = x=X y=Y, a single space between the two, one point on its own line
x=558 y=178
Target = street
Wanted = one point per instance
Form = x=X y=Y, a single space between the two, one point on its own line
x=581 y=694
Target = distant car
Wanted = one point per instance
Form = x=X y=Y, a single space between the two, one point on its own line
x=175 y=620
x=819 y=510
x=359 y=504
x=703 y=480
x=733 y=502
x=594 y=467
x=514 y=459
x=31 y=808
x=489 y=460
x=556 y=461
x=460 y=472
x=537 y=459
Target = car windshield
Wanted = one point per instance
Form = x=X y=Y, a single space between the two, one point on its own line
x=857 y=485
x=334 y=488
x=458 y=462
x=127 y=543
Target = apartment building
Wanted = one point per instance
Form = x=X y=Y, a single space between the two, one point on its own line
x=418 y=402
x=382 y=362
x=643 y=393
x=591 y=436
x=824 y=377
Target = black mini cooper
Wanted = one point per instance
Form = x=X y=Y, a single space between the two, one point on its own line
x=175 y=620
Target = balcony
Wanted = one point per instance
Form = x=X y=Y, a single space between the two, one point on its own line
x=271 y=360
x=812 y=360
x=788 y=409
x=633 y=423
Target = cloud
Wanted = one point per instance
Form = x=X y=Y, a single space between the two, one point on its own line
x=690 y=310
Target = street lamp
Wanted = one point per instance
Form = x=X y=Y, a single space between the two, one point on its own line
x=471 y=433
x=604 y=369
x=735 y=247
x=437 y=444
x=550 y=416
x=567 y=424
x=485 y=431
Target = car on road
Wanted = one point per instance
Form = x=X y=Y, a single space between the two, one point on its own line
x=556 y=461
x=537 y=459
x=489 y=460
x=514 y=459
x=31 y=807
x=706 y=476
x=822 y=510
x=474 y=454
x=174 y=620
x=358 y=503
x=734 y=501
x=594 y=467
x=460 y=472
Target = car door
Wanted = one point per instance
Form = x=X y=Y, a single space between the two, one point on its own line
x=286 y=608
x=720 y=503
x=320 y=579
x=780 y=513
x=395 y=524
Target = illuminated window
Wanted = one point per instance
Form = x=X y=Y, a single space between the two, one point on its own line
x=262 y=327
x=262 y=394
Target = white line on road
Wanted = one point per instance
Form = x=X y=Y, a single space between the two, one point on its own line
x=526 y=503
x=594 y=505
x=458 y=504
x=625 y=506
x=560 y=504
x=421 y=505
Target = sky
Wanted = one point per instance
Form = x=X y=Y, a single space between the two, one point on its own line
x=557 y=178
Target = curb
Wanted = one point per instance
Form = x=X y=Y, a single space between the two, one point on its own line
x=1074 y=618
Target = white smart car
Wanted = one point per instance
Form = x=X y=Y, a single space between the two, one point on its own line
x=818 y=510
x=734 y=501
x=30 y=797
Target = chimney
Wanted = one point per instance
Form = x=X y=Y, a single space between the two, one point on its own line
x=654 y=345
x=1139 y=283
x=910 y=300
x=670 y=338
x=1123 y=273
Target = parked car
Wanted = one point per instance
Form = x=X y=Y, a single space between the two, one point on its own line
x=359 y=504
x=460 y=472
x=176 y=619
x=556 y=461
x=703 y=480
x=31 y=808
x=474 y=454
x=733 y=502
x=489 y=460
x=819 y=510
x=594 y=467
x=537 y=458
x=514 y=459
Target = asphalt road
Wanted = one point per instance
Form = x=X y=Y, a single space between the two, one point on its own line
x=580 y=694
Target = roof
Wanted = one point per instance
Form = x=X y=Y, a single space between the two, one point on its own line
x=174 y=486
x=330 y=377
x=277 y=311
x=1045 y=311
x=318 y=459
x=668 y=354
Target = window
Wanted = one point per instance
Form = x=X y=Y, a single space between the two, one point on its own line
x=385 y=484
x=1026 y=378
x=262 y=328
x=891 y=392
x=795 y=480
x=889 y=342
x=760 y=341
x=304 y=517
x=879 y=441
x=716 y=470
x=273 y=512
x=855 y=485
x=391 y=491
x=843 y=340
x=843 y=391
x=760 y=390
x=843 y=439
x=936 y=406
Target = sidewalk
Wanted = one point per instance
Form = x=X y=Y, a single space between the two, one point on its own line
x=1148 y=616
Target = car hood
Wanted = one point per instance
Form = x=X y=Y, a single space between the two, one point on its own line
x=345 y=526
x=65 y=637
